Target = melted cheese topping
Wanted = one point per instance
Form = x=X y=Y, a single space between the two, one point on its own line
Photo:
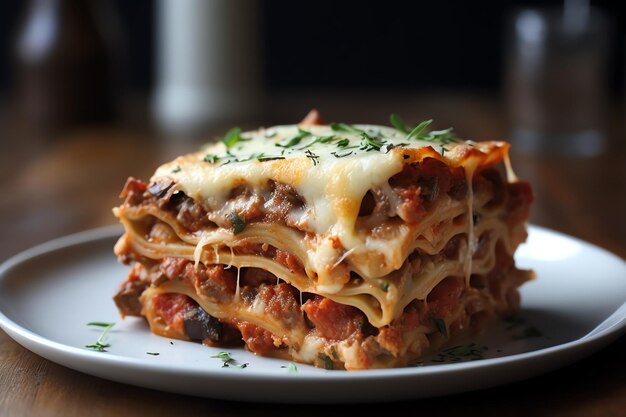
x=332 y=170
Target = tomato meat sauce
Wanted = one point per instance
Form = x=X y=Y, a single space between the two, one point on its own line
x=172 y=307
x=333 y=320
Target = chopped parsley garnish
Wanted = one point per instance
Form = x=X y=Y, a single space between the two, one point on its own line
x=472 y=349
x=528 y=332
x=344 y=127
x=313 y=157
x=100 y=345
x=296 y=139
x=444 y=136
x=389 y=146
x=371 y=139
x=176 y=169
x=269 y=158
x=517 y=323
x=472 y=352
x=319 y=139
x=440 y=325
x=255 y=155
x=232 y=137
x=328 y=362
x=384 y=286
x=419 y=132
x=291 y=368
x=237 y=223
x=343 y=143
x=369 y=143
x=153 y=353
x=337 y=155
x=398 y=123
x=228 y=360
x=416 y=133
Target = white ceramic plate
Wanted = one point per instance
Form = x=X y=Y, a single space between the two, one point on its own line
x=49 y=293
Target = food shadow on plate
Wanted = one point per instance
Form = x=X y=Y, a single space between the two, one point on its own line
x=526 y=331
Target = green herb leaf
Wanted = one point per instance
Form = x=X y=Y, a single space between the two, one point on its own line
x=471 y=352
x=343 y=143
x=328 y=362
x=384 y=286
x=369 y=143
x=389 y=146
x=225 y=356
x=269 y=158
x=472 y=349
x=237 y=222
x=211 y=158
x=176 y=169
x=417 y=131
x=296 y=139
x=530 y=331
x=440 y=325
x=337 y=155
x=255 y=155
x=232 y=137
x=444 y=136
x=100 y=324
x=344 y=127
x=291 y=368
x=398 y=123
x=229 y=361
x=313 y=157
x=100 y=345
x=318 y=139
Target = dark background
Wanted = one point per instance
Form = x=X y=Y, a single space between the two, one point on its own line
x=400 y=45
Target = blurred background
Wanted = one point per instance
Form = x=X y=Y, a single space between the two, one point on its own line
x=94 y=91
x=225 y=55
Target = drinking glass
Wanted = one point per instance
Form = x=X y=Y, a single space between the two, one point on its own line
x=556 y=79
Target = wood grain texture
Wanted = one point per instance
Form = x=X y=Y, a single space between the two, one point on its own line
x=59 y=187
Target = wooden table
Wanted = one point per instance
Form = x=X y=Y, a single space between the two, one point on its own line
x=69 y=184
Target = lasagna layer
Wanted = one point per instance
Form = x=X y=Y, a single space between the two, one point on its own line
x=345 y=247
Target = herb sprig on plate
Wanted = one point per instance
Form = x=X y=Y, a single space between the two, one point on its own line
x=228 y=361
x=100 y=344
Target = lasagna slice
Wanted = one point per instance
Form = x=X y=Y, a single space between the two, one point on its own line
x=342 y=246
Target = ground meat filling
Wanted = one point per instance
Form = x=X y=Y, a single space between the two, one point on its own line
x=283 y=200
x=333 y=320
x=286 y=259
x=420 y=184
x=127 y=297
x=272 y=205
